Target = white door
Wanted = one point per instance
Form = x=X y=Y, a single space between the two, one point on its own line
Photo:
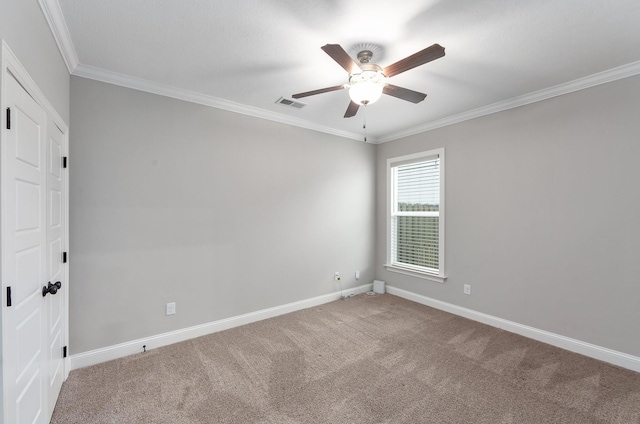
x=56 y=271
x=31 y=322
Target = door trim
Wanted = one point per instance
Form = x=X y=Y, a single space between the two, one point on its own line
x=11 y=64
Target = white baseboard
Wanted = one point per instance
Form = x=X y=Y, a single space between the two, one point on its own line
x=602 y=353
x=109 y=353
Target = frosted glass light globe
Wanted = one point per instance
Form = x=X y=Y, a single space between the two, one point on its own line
x=366 y=87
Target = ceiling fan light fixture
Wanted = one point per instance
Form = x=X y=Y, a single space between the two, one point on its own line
x=368 y=81
x=366 y=87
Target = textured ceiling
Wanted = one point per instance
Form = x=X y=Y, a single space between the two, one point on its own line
x=245 y=54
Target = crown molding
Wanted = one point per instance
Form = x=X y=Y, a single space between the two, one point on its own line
x=57 y=24
x=141 y=84
x=123 y=80
x=604 y=77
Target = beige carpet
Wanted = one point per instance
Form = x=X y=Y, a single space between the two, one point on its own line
x=368 y=359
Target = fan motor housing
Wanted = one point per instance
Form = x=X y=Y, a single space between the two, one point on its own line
x=365 y=56
x=370 y=72
x=370 y=67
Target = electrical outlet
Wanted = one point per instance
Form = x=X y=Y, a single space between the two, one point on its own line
x=357 y=275
x=467 y=289
x=171 y=308
x=336 y=276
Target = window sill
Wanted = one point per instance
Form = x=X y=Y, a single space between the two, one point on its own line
x=417 y=274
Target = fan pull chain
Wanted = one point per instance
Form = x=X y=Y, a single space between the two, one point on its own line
x=364 y=125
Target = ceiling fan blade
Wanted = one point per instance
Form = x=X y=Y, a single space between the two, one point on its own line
x=338 y=54
x=352 y=109
x=320 y=91
x=423 y=56
x=403 y=93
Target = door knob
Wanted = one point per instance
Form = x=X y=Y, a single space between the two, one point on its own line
x=51 y=288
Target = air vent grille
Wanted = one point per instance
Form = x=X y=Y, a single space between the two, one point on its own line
x=291 y=103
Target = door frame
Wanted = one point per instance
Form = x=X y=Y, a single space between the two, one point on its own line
x=10 y=63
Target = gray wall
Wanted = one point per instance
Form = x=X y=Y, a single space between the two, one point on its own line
x=219 y=212
x=542 y=214
x=25 y=30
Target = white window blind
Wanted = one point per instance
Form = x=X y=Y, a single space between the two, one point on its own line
x=415 y=226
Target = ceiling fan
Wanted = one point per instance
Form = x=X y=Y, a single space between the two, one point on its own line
x=367 y=81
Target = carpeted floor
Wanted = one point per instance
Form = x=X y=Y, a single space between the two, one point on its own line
x=368 y=359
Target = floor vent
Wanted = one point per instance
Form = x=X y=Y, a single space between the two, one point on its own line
x=290 y=103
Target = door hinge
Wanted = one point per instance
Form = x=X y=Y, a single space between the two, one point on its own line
x=8 y=118
x=8 y=295
x=64 y=257
x=64 y=352
x=64 y=161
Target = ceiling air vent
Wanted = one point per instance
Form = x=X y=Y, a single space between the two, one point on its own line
x=290 y=103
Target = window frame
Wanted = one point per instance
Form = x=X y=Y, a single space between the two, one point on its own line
x=440 y=276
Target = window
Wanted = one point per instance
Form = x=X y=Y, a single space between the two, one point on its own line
x=415 y=242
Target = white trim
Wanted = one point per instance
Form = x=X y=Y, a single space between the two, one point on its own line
x=603 y=77
x=58 y=25
x=109 y=353
x=11 y=62
x=402 y=160
x=601 y=353
x=413 y=157
x=424 y=275
x=141 y=84
x=67 y=179
x=56 y=21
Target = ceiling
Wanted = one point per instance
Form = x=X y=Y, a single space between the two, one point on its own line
x=243 y=55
